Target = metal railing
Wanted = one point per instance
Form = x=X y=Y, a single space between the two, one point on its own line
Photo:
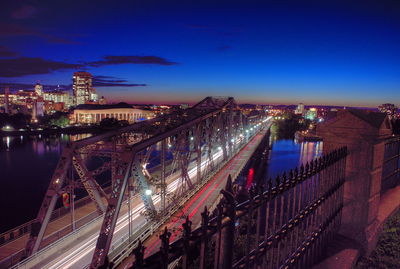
x=123 y=247
x=25 y=262
x=23 y=229
x=284 y=224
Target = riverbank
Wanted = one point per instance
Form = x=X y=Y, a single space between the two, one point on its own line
x=50 y=131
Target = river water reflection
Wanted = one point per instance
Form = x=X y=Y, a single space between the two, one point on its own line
x=288 y=154
x=28 y=162
x=26 y=166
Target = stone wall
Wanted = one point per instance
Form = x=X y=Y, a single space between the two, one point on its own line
x=364 y=134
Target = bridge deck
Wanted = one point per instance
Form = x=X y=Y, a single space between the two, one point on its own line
x=207 y=196
x=56 y=229
x=53 y=230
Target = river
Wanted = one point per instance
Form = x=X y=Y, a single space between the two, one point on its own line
x=28 y=162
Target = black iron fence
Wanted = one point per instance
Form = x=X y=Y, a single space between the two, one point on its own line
x=391 y=164
x=284 y=224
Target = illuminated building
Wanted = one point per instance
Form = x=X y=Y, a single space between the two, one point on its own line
x=24 y=101
x=311 y=114
x=38 y=110
x=39 y=89
x=90 y=113
x=299 y=109
x=57 y=97
x=82 y=88
x=184 y=106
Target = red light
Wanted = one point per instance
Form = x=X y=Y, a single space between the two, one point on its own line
x=65 y=199
x=250 y=178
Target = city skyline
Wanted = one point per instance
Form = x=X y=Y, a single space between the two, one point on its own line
x=154 y=52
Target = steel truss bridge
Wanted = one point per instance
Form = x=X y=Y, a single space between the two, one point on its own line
x=185 y=147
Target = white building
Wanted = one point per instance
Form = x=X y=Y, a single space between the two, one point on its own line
x=90 y=113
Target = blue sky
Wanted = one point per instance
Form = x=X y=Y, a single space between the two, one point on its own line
x=315 y=52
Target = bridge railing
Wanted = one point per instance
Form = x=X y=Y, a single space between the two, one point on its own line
x=23 y=229
x=283 y=225
x=123 y=247
x=38 y=256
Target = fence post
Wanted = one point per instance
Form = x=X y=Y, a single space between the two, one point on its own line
x=218 y=240
x=187 y=228
x=164 y=248
x=139 y=254
x=228 y=229
x=204 y=238
x=364 y=135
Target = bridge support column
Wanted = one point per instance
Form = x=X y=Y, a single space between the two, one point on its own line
x=364 y=135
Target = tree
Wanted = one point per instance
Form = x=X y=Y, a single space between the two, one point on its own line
x=17 y=121
x=62 y=121
x=290 y=124
x=58 y=118
x=108 y=123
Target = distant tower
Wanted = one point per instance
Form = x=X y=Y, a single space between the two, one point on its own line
x=7 y=108
x=82 y=88
x=39 y=89
x=300 y=109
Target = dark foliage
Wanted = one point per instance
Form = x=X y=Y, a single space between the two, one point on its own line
x=387 y=252
x=286 y=127
x=17 y=121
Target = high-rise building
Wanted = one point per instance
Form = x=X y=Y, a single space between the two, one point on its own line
x=299 y=109
x=311 y=114
x=39 y=89
x=82 y=88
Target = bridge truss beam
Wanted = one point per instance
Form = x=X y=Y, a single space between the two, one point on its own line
x=186 y=143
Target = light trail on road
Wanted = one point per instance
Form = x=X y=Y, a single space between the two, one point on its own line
x=80 y=256
x=85 y=248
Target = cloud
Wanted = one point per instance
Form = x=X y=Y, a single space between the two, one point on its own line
x=11 y=29
x=107 y=81
x=224 y=48
x=110 y=60
x=24 y=12
x=26 y=86
x=6 y=52
x=22 y=66
x=14 y=30
x=98 y=81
